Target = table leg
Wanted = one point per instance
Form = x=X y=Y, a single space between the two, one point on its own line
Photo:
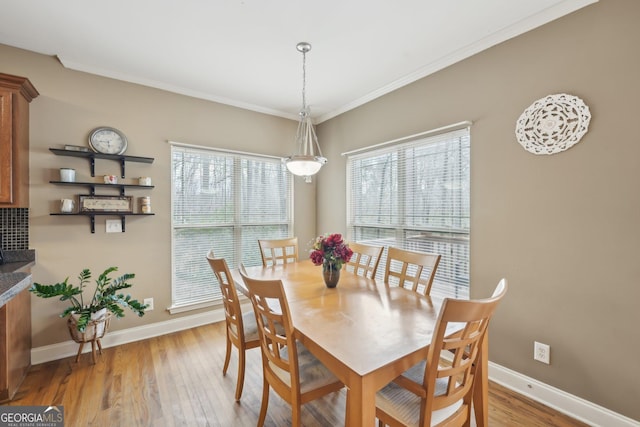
x=361 y=405
x=481 y=387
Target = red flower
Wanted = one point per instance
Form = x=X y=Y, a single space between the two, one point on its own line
x=317 y=257
x=330 y=249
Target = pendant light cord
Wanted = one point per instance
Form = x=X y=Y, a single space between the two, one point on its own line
x=304 y=80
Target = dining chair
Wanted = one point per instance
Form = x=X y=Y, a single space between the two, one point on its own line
x=405 y=268
x=365 y=259
x=440 y=394
x=287 y=366
x=241 y=329
x=278 y=251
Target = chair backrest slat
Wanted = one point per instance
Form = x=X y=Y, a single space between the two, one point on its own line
x=365 y=259
x=275 y=329
x=464 y=345
x=278 y=251
x=230 y=300
x=411 y=270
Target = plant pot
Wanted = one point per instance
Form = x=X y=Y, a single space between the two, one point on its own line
x=95 y=329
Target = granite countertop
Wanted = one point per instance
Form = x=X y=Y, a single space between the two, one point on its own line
x=15 y=275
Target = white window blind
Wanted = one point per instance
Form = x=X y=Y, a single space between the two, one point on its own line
x=415 y=195
x=225 y=202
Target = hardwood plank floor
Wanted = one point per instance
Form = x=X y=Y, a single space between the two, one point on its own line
x=176 y=380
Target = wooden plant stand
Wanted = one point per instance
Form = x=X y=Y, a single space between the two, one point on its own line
x=95 y=330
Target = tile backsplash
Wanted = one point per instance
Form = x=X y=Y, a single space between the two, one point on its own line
x=14 y=227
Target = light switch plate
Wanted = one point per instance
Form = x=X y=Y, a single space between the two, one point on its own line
x=114 y=226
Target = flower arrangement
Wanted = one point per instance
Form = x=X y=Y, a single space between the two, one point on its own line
x=330 y=251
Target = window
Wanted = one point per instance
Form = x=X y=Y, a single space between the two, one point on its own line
x=223 y=201
x=415 y=195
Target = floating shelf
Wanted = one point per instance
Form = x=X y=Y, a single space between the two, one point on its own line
x=92 y=216
x=92 y=186
x=93 y=156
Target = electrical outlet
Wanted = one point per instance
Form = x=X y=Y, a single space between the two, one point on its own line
x=541 y=352
x=149 y=303
x=114 y=226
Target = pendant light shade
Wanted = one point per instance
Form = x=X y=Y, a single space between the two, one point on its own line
x=307 y=159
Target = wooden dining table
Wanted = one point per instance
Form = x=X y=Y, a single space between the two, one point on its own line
x=367 y=333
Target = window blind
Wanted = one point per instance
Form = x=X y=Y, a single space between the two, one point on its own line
x=416 y=195
x=224 y=202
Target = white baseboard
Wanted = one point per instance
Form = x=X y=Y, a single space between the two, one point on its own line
x=70 y=348
x=557 y=399
x=574 y=406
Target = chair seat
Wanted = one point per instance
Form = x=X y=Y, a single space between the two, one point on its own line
x=405 y=405
x=250 y=327
x=313 y=374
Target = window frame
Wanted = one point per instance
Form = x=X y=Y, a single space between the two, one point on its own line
x=451 y=279
x=237 y=223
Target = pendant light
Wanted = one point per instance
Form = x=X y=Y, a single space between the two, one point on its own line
x=308 y=158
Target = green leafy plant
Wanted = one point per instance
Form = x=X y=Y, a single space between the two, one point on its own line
x=105 y=295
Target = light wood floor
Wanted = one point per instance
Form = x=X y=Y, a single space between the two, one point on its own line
x=176 y=380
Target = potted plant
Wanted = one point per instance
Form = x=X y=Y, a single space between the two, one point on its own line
x=94 y=312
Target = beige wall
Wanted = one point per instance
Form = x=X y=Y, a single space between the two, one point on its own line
x=564 y=228
x=70 y=105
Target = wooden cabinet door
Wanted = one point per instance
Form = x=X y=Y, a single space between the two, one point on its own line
x=15 y=344
x=6 y=147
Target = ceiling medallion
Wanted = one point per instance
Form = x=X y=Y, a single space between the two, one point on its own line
x=553 y=124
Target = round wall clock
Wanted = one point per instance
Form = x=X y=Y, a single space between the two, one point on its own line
x=553 y=124
x=107 y=140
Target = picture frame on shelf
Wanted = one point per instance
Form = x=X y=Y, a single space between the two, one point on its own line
x=106 y=204
x=80 y=148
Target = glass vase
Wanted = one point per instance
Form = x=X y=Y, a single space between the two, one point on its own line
x=330 y=274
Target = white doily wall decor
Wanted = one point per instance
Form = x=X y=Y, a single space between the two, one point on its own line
x=553 y=124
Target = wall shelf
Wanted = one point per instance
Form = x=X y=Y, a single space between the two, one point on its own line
x=92 y=156
x=92 y=216
x=122 y=159
x=92 y=186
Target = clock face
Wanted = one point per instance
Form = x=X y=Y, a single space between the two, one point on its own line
x=108 y=140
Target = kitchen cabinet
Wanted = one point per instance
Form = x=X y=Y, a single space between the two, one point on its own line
x=15 y=95
x=15 y=327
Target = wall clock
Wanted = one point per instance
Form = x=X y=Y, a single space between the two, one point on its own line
x=107 y=140
x=553 y=124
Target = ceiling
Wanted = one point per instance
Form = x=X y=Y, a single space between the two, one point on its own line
x=243 y=52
